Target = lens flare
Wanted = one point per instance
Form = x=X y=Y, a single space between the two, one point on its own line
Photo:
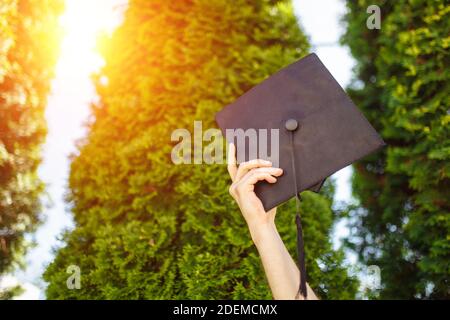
x=82 y=23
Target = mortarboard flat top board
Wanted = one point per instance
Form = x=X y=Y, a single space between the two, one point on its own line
x=331 y=133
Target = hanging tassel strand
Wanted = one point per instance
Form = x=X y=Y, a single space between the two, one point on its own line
x=300 y=244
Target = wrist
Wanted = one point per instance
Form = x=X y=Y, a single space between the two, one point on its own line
x=262 y=232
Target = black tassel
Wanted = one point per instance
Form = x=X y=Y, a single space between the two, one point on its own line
x=292 y=125
x=301 y=257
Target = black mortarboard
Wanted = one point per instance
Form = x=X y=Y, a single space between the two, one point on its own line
x=320 y=131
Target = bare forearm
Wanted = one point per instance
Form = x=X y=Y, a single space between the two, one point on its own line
x=281 y=271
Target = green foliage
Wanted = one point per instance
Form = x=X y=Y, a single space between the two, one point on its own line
x=28 y=52
x=149 y=229
x=403 y=88
x=10 y=293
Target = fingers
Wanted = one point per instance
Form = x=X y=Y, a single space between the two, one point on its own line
x=272 y=213
x=259 y=174
x=237 y=173
x=252 y=177
x=231 y=161
x=252 y=164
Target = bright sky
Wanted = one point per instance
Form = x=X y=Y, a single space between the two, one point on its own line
x=67 y=110
x=72 y=90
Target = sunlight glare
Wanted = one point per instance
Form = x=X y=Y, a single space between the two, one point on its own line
x=82 y=22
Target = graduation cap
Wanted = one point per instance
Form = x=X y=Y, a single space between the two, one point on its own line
x=320 y=132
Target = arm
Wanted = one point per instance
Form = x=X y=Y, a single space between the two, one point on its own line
x=281 y=271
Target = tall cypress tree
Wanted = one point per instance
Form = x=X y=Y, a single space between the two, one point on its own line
x=403 y=225
x=29 y=38
x=147 y=228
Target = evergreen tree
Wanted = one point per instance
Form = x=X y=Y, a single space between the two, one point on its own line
x=29 y=39
x=402 y=84
x=147 y=228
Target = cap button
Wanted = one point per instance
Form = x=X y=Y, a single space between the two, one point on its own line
x=291 y=125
